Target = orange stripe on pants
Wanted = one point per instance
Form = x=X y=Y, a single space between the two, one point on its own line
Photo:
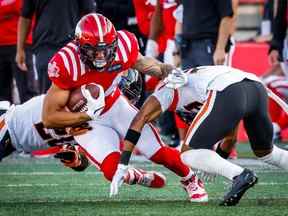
x=199 y=115
x=2 y=123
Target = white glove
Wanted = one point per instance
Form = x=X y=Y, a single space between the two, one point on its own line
x=118 y=179
x=94 y=106
x=151 y=48
x=176 y=79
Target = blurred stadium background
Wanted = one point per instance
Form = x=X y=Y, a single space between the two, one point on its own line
x=29 y=186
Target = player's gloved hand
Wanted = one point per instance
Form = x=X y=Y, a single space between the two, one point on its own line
x=151 y=48
x=94 y=106
x=176 y=79
x=118 y=179
x=69 y=155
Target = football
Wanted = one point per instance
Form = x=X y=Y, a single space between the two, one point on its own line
x=77 y=102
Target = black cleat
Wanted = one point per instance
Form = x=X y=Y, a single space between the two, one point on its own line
x=241 y=183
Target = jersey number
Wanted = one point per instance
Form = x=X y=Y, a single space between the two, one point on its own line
x=53 y=137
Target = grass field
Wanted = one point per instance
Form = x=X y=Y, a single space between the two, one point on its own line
x=43 y=187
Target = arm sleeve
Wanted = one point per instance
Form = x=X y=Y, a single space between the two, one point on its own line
x=86 y=6
x=224 y=8
x=58 y=74
x=165 y=97
x=28 y=9
x=279 y=27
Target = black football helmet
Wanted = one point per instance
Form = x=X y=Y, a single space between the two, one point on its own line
x=131 y=85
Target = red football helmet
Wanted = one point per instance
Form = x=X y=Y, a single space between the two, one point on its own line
x=96 y=38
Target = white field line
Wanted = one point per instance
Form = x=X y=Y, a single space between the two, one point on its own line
x=112 y=200
x=88 y=173
x=101 y=184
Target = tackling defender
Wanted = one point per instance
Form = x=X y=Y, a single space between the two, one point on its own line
x=228 y=95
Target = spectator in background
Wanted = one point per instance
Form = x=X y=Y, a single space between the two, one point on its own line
x=207 y=26
x=279 y=29
x=265 y=30
x=54 y=22
x=9 y=14
x=161 y=32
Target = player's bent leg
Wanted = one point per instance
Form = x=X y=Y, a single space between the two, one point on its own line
x=201 y=156
x=260 y=130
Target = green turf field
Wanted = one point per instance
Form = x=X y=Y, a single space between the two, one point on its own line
x=43 y=187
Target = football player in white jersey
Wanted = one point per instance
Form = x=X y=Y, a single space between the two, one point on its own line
x=228 y=95
x=22 y=130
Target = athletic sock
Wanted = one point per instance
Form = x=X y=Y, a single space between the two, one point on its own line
x=209 y=161
x=278 y=157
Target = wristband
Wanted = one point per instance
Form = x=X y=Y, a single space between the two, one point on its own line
x=125 y=157
x=132 y=136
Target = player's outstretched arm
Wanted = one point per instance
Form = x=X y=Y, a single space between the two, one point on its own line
x=54 y=114
x=149 y=111
x=152 y=66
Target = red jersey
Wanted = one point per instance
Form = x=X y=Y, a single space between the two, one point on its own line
x=67 y=71
x=9 y=15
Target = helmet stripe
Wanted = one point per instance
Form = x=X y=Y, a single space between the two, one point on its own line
x=122 y=50
x=99 y=27
x=126 y=39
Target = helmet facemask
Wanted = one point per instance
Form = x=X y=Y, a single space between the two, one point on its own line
x=98 y=57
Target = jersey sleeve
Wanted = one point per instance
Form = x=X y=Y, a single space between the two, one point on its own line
x=130 y=44
x=58 y=73
x=165 y=96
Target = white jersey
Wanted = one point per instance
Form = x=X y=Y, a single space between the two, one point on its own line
x=200 y=81
x=26 y=129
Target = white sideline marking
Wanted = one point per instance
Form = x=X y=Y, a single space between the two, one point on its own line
x=99 y=173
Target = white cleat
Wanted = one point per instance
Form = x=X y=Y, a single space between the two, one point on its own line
x=195 y=189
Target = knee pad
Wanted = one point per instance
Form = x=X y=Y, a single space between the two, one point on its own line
x=109 y=165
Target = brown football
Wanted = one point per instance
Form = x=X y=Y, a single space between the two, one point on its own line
x=77 y=102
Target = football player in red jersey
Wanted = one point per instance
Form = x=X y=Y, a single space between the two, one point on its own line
x=98 y=54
